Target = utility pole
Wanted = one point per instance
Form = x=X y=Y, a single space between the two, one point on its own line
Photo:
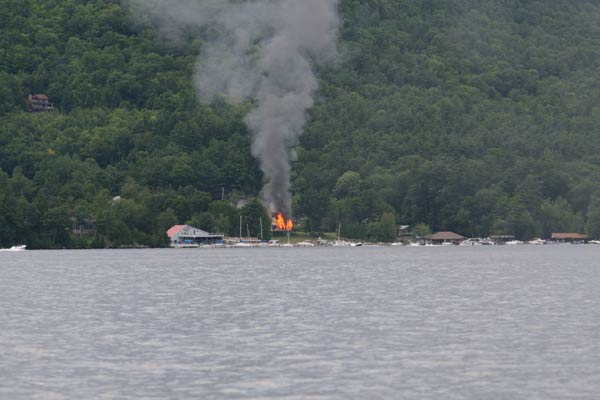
x=240 y=228
x=261 y=231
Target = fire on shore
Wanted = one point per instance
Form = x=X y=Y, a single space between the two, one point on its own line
x=283 y=224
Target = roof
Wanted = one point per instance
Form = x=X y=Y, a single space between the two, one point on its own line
x=578 y=236
x=445 y=236
x=40 y=97
x=190 y=232
x=175 y=229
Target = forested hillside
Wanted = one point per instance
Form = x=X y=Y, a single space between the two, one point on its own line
x=481 y=117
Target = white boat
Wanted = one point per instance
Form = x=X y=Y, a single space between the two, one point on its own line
x=514 y=242
x=341 y=243
x=19 y=247
x=471 y=242
x=594 y=242
x=477 y=242
x=537 y=241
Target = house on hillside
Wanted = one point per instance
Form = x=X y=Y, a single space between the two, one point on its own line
x=188 y=236
x=85 y=229
x=39 y=103
x=444 y=237
x=569 y=237
x=405 y=231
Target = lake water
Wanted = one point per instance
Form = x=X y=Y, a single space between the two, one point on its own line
x=498 y=322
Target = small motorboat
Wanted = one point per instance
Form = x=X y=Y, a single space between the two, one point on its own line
x=19 y=247
x=514 y=242
x=537 y=241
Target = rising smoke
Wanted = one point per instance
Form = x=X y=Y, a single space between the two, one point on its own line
x=264 y=50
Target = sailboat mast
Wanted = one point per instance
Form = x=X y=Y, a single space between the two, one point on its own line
x=261 y=229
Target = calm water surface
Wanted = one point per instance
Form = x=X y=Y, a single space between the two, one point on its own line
x=504 y=322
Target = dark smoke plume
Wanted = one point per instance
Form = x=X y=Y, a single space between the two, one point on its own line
x=264 y=50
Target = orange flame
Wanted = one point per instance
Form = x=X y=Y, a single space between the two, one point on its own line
x=281 y=223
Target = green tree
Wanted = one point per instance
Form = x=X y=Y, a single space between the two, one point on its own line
x=384 y=230
x=421 y=230
x=256 y=220
x=592 y=225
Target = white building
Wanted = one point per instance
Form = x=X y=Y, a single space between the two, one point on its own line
x=185 y=235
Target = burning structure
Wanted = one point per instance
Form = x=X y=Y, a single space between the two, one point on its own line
x=280 y=223
x=265 y=50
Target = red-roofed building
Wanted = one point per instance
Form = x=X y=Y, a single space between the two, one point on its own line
x=188 y=236
x=38 y=103
x=569 y=237
x=445 y=237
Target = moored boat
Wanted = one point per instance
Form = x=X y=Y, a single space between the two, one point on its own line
x=19 y=247
x=537 y=241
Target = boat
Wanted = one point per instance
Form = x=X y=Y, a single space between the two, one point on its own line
x=537 y=241
x=471 y=242
x=19 y=247
x=514 y=242
x=477 y=242
x=341 y=243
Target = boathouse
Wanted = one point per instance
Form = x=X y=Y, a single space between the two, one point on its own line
x=569 y=237
x=444 y=237
x=188 y=236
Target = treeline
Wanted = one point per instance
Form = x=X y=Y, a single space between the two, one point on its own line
x=477 y=117
x=126 y=125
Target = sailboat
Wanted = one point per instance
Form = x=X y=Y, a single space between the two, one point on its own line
x=338 y=242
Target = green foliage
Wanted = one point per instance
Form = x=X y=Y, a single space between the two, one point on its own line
x=384 y=230
x=592 y=226
x=255 y=220
x=126 y=125
x=420 y=230
x=476 y=117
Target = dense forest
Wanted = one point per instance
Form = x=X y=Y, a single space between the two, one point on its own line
x=480 y=117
